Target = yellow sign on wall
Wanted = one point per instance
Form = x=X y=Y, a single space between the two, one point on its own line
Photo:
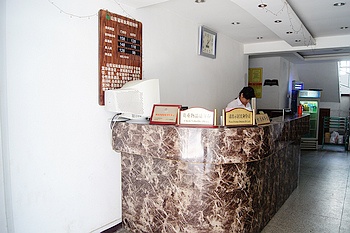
x=255 y=80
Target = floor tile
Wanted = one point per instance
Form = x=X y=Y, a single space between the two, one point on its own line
x=346 y=209
x=344 y=227
x=299 y=222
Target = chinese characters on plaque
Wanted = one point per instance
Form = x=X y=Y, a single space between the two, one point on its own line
x=165 y=114
x=120 y=51
x=238 y=117
x=198 y=117
x=201 y=117
x=262 y=119
x=192 y=117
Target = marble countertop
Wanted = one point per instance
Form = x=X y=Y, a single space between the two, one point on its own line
x=206 y=145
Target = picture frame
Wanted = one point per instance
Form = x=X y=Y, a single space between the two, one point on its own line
x=165 y=114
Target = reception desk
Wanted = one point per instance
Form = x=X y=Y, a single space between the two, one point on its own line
x=181 y=179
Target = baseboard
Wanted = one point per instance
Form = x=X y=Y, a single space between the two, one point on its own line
x=110 y=227
x=113 y=229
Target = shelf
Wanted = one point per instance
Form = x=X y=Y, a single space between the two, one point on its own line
x=338 y=124
x=308 y=144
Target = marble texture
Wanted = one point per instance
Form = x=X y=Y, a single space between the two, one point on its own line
x=178 y=179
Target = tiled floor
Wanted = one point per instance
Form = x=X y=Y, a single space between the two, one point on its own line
x=321 y=203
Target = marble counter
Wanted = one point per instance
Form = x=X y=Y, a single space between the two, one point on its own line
x=179 y=179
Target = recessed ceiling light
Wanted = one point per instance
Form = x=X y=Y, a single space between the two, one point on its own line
x=343 y=28
x=259 y=38
x=278 y=21
x=199 y=1
x=236 y=23
x=339 y=4
x=289 y=32
x=262 y=5
x=297 y=41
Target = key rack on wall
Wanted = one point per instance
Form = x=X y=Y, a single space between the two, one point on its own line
x=120 y=51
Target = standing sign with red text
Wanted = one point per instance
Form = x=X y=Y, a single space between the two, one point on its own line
x=120 y=51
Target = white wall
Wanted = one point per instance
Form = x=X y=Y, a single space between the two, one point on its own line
x=323 y=75
x=170 y=54
x=320 y=74
x=3 y=121
x=273 y=97
x=63 y=173
x=341 y=109
x=344 y=82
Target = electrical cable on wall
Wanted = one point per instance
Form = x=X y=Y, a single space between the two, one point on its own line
x=88 y=16
x=124 y=11
x=72 y=15
x=307 y=41
x=126 y=14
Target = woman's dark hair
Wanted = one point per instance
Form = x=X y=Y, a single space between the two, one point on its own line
x=248 y=92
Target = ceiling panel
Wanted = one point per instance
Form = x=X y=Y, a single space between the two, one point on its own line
x=320 y=18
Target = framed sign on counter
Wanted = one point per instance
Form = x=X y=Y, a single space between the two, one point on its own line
x=262 y=119
x=238 y=117
x=197 y=117
x=120 y=51
x=165 y=114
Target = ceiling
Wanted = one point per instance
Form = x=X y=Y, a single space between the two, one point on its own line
x=305 y=31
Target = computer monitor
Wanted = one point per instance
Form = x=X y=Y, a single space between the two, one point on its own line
x=134 y=100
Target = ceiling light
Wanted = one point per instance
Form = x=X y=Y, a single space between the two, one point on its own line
x=262 y=5
x=298 y=41
x=199 y=1
x=343 y=28
x=269 y=15
x=339 y=4
x=236 y=23
x=259 y=38
x=278 y=21
x=289 y=32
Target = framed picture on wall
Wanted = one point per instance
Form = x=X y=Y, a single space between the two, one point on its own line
x=255 y=76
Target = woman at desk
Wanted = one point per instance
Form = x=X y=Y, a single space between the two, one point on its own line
x=243 y=99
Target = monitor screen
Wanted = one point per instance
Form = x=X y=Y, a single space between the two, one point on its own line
x=297 y=85
x=134 y=100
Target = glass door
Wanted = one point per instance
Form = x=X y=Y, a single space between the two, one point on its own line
x=311 y=107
